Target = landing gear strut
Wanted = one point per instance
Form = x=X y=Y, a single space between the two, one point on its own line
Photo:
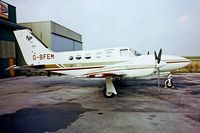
x=169 y=82
x=109 y=90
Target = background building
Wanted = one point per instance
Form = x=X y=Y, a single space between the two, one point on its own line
x=58 y=38
x=7 y=39
x=55 y=36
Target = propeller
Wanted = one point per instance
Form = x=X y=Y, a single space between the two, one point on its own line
x=158 y=59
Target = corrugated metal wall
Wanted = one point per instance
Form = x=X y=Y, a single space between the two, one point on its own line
x=42 y=30
x=77 y=46
x=60 y=43
x=63 y=31
x=8 y=42
x=64 y=39
x=55 y=36
x=7 y=58
x=7 y=49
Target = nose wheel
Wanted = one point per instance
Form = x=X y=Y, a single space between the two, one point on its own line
x=169 y=83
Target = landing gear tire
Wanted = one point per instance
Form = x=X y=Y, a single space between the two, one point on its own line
x=108 y=94
x=48 y=74
x=169 y=84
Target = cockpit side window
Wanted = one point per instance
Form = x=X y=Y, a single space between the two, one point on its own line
x=137 y=53
x=133 y=52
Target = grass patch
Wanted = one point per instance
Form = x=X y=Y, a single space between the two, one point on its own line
x=192 y=57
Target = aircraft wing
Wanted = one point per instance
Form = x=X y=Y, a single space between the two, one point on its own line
x=107 y=71
x=124 y=69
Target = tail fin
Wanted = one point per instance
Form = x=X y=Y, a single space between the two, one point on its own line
x=33 y=50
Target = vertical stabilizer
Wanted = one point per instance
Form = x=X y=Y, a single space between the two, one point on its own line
x=33 y=50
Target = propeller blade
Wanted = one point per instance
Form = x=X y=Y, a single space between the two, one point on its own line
x=159 y=56
x=155 y=54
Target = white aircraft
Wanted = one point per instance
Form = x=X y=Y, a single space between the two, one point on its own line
x=110 y=63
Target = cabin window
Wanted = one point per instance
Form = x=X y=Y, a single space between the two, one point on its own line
x=108 y=53
x=71 y=58
x=87 y=56
x=98 y=55
x=123 y=52
x=133 y=52
x=78 y=57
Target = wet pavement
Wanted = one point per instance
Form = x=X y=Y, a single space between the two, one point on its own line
x=40 y=119
x=64 y=104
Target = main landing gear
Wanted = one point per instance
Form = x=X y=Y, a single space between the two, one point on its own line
x=169 y=82
x=109 y=90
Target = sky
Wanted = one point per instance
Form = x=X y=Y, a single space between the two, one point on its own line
x=144 y=25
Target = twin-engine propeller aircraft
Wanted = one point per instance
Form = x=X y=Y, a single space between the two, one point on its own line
x=110 y=63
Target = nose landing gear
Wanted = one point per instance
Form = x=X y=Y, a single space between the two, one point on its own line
x=169 y=83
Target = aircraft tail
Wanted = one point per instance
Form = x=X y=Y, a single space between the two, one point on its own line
x=33 y=50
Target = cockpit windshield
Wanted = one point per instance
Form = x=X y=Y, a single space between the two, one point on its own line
x=133 y=52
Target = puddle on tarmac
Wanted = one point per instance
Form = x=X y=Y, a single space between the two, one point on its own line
x=40 y=119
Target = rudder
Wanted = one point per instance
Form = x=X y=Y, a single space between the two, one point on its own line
x=33 y=50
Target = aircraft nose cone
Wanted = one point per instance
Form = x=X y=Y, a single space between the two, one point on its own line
x=183 y=61
x=186 y=61
x=179 y=62
x=174 y=62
